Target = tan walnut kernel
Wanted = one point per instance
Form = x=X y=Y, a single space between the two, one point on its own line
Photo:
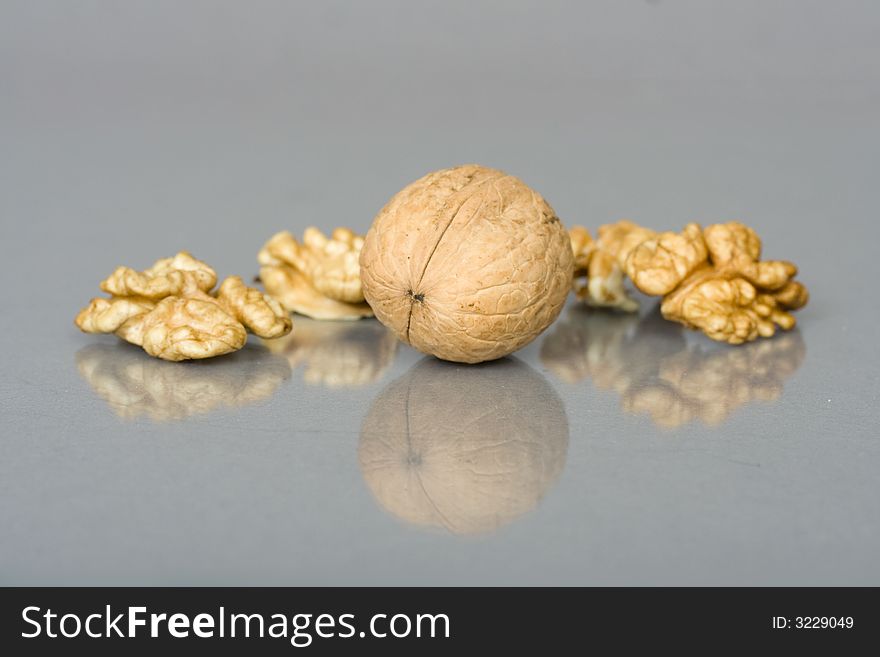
x=599 y=265
x=319 y=278
x=169 y=310
x=714 y=281
x=710 y=279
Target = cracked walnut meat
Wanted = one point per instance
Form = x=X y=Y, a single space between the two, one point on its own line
x=600 y=261
x=467 y=264
x=170 y=311
x=714 y=280
x=711 y=279
x=318 y=277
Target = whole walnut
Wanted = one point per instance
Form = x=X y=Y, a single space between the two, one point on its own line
x=467 y=264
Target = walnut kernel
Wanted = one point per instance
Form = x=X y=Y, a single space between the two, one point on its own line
x=169 y=311
x=319 y=278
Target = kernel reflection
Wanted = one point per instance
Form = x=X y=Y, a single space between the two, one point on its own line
x=656 y=371
x=466 y=449
x=337 y=354
x=135 y=385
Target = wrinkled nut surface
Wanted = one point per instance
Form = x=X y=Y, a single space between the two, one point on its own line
x=296 y=294
x=601 y=262
x=258 y=313
x=661 y=262
x=179 y=329
x=167 y=277
x=169 y=311
x=710 y=279
x=583 y=246
x=714 y=280
x=467 y=264
x=319 y=278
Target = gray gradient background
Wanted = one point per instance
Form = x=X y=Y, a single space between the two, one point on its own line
x=129 y=130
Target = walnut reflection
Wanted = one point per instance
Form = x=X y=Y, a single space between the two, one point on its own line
x=656 y=371
x=464 y=448
x=136 y=385
x=341 y=354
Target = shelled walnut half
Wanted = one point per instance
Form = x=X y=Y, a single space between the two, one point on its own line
x=318 y=277
x=711 y=279
x=170 y=311
x=601 y=262
x=714 y=280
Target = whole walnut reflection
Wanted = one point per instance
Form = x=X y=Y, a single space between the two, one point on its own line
x=337 y=354
x=464 y=448
x=136 y=385
x=656 y=371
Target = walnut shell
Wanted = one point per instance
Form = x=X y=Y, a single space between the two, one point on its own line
x=467 y=264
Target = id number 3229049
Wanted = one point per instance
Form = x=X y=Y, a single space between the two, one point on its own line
x=813 y=623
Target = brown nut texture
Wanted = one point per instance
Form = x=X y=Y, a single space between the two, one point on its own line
x=318 y=277
x=583 y=246
x=714 y=280
x=467 y=264
x=169 y=311
x=167 y=277
x=601 y=262
x=711 y=279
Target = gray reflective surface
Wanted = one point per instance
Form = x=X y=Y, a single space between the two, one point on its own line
x=650 y=363
x=613 y=450
x=464 y=449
